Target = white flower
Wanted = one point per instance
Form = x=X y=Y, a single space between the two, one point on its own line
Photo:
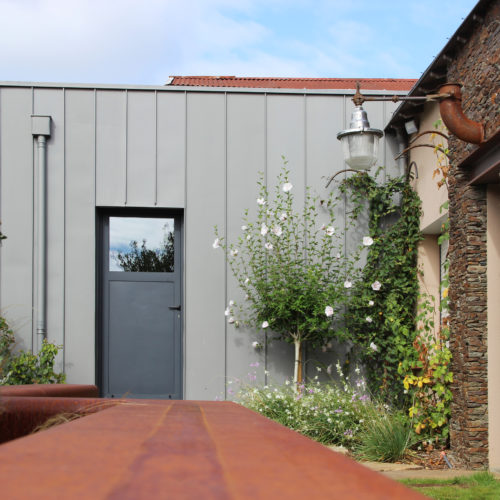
x=447 y=344
x=269 y=246
x=234 y=252
x=329 y=311
x=287 y=187
x=216 y=243
x=261 y=201
x=231 y=320
x=329 y=369
x=227 y=312
x=247 y=280
x=347 y=284
x=371 y=303
x=249 y=236
x=338 y=256
x=376 y=286
x=330 y=230
x=256 y=345
x=373 y=346
x=231 y=303
x=283 y=217
x=265 y=324
x=367 y=241
x=244 y=228
x=318 y=368
x=277 y=230
x=369 y=319
x=264 y=229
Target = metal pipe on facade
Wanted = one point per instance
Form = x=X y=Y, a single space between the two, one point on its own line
x=40 y=128
x=41 y=323
x=454 y=117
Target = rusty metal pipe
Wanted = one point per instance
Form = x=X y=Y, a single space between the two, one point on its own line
x=454 y=117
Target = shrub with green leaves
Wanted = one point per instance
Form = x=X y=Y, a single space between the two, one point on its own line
x=292 y=268
x=24 y=367
x=329 y=413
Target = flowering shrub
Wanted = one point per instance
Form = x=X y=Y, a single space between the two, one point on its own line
x=328 y=413
x=292 y=268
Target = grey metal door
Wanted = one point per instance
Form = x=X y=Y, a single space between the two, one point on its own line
x=141 y=270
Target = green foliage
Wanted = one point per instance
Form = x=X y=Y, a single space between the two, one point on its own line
x=385 y=436
x=143 y=259
x=291 y=267
x=328 y=413
x=392 y=261
x=481 y=485
x=25 y=367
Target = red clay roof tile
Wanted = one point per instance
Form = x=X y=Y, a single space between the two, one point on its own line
x=398 y=84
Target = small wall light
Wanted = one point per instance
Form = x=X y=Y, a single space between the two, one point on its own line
x=360 y=142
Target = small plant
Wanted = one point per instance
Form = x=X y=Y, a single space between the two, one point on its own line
x=384 y=437
x=331 y=414
x=24 y=367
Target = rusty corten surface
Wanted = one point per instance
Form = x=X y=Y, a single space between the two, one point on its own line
x=19 y=416
x=51 y=390
x=144 y=449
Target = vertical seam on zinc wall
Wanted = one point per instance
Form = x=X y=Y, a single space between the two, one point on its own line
x=64 y=234
x=226 y=230
x=265 y=182
x=156 y=148
x=126 y=147
x=384 y=121
x=95 y=144
x=344 y=126
x=33 y=312
x=184 y=271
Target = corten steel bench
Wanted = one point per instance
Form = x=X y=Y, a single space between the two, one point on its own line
x=150 y=449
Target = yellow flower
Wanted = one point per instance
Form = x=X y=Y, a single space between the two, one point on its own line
x=445 y=292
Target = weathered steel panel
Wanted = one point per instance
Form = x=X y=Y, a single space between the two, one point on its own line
x=171 y=149
x=141 y=149
x=16 y=212
x=205 y=358
x=51 y=102
x=111 y=147
x=80 y=237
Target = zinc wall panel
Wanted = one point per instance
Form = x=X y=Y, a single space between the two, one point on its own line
x=111 y=148
x=16 y=212
x=171 y=148
x=285 y=137
x=324 y=118
x=205 y=276
x=80 y=237
x=141 y=149
x=245 y=158
x=51 y=102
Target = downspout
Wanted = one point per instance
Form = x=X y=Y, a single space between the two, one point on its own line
x=454 y=117
x=40 y=129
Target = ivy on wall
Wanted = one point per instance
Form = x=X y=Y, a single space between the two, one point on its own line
x=381 y=322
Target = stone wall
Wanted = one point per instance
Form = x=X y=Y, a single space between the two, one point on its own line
x=477 y=66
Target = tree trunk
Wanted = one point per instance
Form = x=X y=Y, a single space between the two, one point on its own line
x=298 y=376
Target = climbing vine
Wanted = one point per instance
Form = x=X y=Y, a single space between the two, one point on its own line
x=385 y=320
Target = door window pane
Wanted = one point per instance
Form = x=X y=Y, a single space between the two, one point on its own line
x=141 y=244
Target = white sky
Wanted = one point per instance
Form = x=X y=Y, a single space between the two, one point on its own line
x=144 y=42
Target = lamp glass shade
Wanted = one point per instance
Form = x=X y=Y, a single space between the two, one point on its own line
x=360 y=150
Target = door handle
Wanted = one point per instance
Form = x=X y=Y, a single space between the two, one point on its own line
x=175 y=308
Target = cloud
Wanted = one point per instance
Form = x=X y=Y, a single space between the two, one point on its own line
x=127 y=41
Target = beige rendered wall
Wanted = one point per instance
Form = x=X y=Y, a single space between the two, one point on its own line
x=425 y=183
x=426 y=161
x=493 y=279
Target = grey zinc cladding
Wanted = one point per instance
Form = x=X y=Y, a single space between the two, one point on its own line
x=196 y=149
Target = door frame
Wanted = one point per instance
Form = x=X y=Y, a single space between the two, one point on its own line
x=102 y=214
